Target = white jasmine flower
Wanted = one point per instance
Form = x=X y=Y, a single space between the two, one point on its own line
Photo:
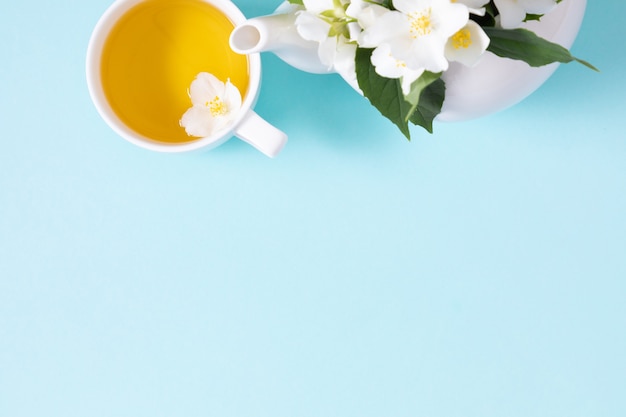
x=513 y=12
x=322 y=19
x=417 y=31
x=468 y=45
x=340 y=53
x=326 y=22
x=214 y=105
x=388 y=66
x=365 y=12
x=311 y=27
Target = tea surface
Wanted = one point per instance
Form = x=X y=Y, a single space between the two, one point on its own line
x=153 y=54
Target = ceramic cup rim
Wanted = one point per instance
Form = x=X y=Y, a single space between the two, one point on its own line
x=93 y=64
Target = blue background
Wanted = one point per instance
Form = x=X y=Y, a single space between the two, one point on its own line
x=479 y=271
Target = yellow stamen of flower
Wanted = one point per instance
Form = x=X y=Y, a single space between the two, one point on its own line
x=217 y=107
x=462 y=39
x=421 y=23
x=399 y=63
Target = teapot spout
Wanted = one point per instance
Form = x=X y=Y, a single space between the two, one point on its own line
x=277 y=33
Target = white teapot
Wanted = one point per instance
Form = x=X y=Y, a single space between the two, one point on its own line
x=471 y=92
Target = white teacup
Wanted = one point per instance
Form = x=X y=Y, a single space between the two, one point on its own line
x=124 y=113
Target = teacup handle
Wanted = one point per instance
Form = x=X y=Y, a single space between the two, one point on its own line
x=260 y=134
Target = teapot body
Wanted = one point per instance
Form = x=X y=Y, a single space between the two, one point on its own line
x=492 y=85
x=498 y=83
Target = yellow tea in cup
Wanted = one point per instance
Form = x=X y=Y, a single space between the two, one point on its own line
x=152 y=55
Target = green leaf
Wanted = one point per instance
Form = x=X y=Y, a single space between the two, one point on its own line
x=530 y=17
x=387 y=4
x=300 y=2
x=429 y=105
x=383 y=93
x=418 y=86
x=484 y=21
x=524 y=45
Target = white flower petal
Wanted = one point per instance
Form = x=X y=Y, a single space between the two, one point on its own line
x=222 y=122
x=409 y=6
x=448 y=18
x=365 y=12
x=344 y=58
x=468 y=45
x=424 y=52
x=311 y=27
x=214 y=105
x=204 y=87
x=512 y=14
x=388 y=66
x=327 y=51
x=391 y=25
x=318 y=6
x=232 y=98
x=354 y=29
x=198 y=122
